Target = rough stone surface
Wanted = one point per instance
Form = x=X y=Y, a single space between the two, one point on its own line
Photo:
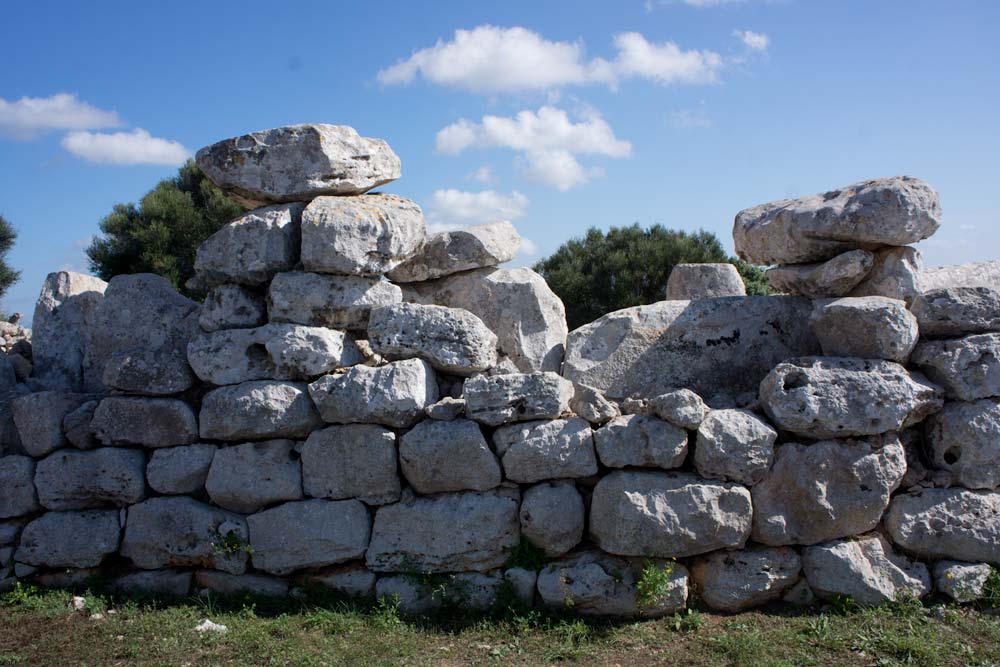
x=297 y=163
x=64 y=318
x=39 y=418
x=70 y=539
x=826 y=490
x=704 y=281
x=947 y=523
x=680 y=407
x=590 y=404
x=240 y=584
x=962 y=582
x=864 y=568
x=464 y=249
x=966 y=368
x=75 y=480
x=557 y=449
x=500 y=399
x=145 y=422
x=736 y=445
x=897 y=273
x=351 y=461
x=455 y=532
x=392 y=395
x=407 y=594
x=832 y=278
x=870 y=327
x=885 y=211
x=178 y=470
x=246 y=478
x=446 y=409
x=350 y=580
x=700 y=345
x=168 y=583
x=441 y=456
x=552 y=517
x=306 y=534
x=637 y=440
x=964 y=439
x=523 y=584
x=957 y=311
x=338 y=302
x=251 y=249
x=973 y=274
x=736 y=580
x=77 y=426
x=149 y=373
x=231 y=306
x=820 y=398
x=654 y=514
x=17 y=487
x=258 y=410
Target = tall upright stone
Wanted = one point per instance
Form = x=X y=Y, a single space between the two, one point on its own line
x=64 y=319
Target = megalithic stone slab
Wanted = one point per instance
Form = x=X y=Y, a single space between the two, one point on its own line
x=704 y=281
x=954 y=523
x=64 y=319
x=338 y=302
x=457 y=250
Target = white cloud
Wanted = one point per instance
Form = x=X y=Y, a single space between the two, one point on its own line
x=528 y=247
x=134 y=147
x=458 y=207
x=30 y=117
x=484 y=174
x=687 y=118
x=754 y=41
x=555 y=168
x=665 y=63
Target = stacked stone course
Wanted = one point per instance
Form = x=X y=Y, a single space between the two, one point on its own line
x=358 y=403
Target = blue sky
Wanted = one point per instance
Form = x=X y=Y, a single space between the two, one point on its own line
x=556 y=115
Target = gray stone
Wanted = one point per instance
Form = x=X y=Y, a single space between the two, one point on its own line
x=149 y=373
x=964 y=439
x=180 y=470
x=637 y=440
x=9 y=531
x=962 y=582
x=70 y=539
x=351 y=461
x=552 y=517
x=947 y=523
x=515 y=304
x=800 y=595
x=896 y=273
x=441 y=456
x=845 y=491
x=145 y=422
x=246 y=478
x=590 y=404
x=517 y=397
x=704 y=281
x=735 y=445
x=957 y=311
x=680 y=407
x=338 y=302
x=63 y=321
x=973 y=274
x=446 y=409
x=251 y=249
x=297 y=163
x=308 y=534
x=241 y=584
x=231 y=306
x=865 y=569
x=870 y=327
x=966 y=368
x=557 y=449
x=392 y=395
x=463 y=249
x=258 y=410
x=353 y=581
x=821 y=397
x=523 y=584
x=39 y=419
x=700 y=345
x=410 y=595
x=17 y=487
x=455 y=532
x=832 y=278
x=736 y=580
x=182 y=532
x=451 y=340
x=654 y=514
x=169 y=583
x=75 y=480
x=77 y=427
x=885 y=211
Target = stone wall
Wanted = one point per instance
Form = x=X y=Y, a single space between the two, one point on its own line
x=361 y=405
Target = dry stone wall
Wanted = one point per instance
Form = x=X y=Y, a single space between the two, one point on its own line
x=361 y=405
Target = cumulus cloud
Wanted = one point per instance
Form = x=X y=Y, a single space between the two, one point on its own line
x=458 y=207
x=484 y=174
x=555 y=168
x=528 y=247
x=754 y=41
x=134 y=147
x=665 y=63
x=30 y=117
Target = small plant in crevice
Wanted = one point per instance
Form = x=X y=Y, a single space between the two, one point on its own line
x=991 y=590
x=527 y=556
x=230 y=543
x=688 y=620
x=654 y=582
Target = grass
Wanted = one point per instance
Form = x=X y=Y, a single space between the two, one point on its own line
x=38 y=629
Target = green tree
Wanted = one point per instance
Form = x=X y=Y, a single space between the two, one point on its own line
x=8 y=276
x=629 y=266
x=162 y=233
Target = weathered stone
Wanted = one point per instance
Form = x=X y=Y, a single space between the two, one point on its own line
x=656 y=514
x=258 y=410
x=351 y=580
x=351 y=461
x=957 y=311
x=820 y=398
x=17 y=487
x=451 y=340
x=865 y=569
x=973 y=274
x=844 y=493
x=701 y=345
x=870 y=327
x=704 y=281
x=182 y=532
x=557 y=449
x=180 y=470
x=246 y=478
x=251 y=249
x=408 y=594
x=77 y=427
x=150 y=373
x=884 y=211
x=966 y=368
x=637 y=440
x=306 y=534
x=241 y=584
x=800 y=595
x=515 y=304
x=146 y=422
x=964 y=439
x=588 y=403
x=39 y=419
x=736 y=580
x=735 y=445
x=499 y=399
x=962 y=582
x=22 y=367
x=446 y=409
x=522 y=583
x=338 y=302
x=9 y=531
x=75 y=480
x=70 y=539
x=832 y=278
x=440 y=456
x=896 y=273
x=552 y=517
x=680 y=407
x=455 y=532
x=168 y=583
x=231 y=306
x=947 y=523
x=463 y=249
x=393 y=395
x=63 y=321
x=297 y=163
